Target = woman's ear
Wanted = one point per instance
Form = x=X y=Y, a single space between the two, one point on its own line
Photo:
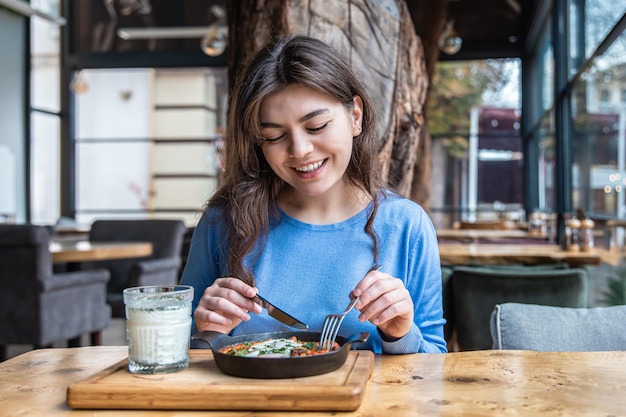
x=357 y=116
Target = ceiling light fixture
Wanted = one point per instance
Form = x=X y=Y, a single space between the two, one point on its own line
x=161 y=32
x=450 y=42
x=214 y=39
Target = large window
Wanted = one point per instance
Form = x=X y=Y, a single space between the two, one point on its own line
x=474 y=120
x=45 y=117
x=579 y=135
x=541 y=117
x=29 y=125
x=599 y=134
x=600 y=17
x=12 y=108
x=546 y=164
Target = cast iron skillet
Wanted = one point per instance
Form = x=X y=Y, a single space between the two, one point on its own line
x=274 y=367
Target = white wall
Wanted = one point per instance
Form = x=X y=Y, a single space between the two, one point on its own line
x=121 y=170
x=116 y=106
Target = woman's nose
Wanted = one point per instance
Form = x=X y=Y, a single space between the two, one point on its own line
x=301 y=145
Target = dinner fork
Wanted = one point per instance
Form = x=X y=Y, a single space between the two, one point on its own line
x=333 y=321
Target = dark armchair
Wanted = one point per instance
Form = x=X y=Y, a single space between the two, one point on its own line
x=477 y=290
x=40 y=307
x=162 y=267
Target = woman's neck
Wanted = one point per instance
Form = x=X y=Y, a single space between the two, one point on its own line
x=333 y=207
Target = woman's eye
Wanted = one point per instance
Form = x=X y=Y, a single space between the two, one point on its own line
x=318 y=128
x=272 y=139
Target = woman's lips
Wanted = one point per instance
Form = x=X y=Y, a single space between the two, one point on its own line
x=309 y=167
x=310 y=170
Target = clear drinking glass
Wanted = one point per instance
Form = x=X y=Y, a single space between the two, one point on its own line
x=158 y=328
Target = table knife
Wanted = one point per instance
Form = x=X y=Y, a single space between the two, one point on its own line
x=279 y=314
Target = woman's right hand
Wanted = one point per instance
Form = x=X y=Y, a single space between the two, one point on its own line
x=225 y=304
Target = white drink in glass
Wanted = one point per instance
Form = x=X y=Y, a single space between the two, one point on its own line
x=158 y=328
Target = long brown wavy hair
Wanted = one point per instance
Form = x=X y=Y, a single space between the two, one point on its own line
x=248 y=193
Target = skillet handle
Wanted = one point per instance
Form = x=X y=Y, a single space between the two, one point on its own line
x=202 y=340
x=357 y=337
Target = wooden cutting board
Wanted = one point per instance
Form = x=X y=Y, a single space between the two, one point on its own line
x=202 y=386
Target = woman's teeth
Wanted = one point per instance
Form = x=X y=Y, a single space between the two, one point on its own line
x=310 y=167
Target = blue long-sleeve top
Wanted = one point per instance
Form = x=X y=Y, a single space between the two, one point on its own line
x=309 y=271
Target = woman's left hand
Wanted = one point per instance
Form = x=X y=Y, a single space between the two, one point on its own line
x=385 y=301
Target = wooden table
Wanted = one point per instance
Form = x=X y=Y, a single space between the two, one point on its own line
x=476 y=235
x=478 y=383
x=77 y=229
x=84 y=251
x=531 y=254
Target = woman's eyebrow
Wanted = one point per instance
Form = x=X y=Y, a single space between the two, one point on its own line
x=311 y=115
x=304 y=118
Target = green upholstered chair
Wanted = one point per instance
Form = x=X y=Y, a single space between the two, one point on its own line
x=547 y=328
x=477 y=290
x=448 y=301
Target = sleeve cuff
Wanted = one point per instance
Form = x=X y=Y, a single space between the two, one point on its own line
x=409 y=343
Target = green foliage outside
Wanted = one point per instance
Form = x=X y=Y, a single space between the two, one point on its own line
x=456 y=88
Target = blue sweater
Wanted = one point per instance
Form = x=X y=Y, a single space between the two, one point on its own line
x=309 y=271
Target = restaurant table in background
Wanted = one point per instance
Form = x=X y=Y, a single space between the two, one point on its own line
x=85 y=251
x=478 y=383
x=477 y=235
x=529 y=254
x=72 y=230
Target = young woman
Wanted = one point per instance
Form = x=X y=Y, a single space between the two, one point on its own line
x=301 y=216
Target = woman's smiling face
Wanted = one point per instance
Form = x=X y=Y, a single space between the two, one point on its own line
x=307 y=138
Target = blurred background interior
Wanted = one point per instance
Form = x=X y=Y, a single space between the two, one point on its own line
x=114 y=109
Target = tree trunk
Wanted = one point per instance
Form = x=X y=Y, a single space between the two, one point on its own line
x=377 y=37
x=252 y=24
x=430 y=19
